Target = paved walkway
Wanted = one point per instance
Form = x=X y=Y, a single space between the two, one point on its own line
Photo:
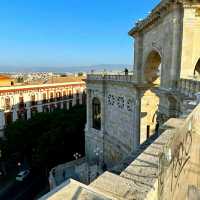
x=7 y=181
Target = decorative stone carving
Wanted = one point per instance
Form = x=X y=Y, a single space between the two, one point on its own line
x=130 y=103
x=120 y=102
x=111 y=99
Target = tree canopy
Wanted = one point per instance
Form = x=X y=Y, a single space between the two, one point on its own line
x=47 y=139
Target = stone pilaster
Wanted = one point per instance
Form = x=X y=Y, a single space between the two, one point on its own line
x=137 y=114
x=138 y=53
x=176 y=46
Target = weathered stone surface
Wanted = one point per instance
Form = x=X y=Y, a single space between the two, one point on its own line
x=72 y=190
x=166 y=49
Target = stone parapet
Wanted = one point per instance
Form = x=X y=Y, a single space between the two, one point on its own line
x=116 y=78
x=164 y=170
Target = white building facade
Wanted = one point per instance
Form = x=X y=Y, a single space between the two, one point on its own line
x=22 y=102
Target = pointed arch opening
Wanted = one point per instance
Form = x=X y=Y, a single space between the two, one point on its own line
x=152 y=70
x=150 y=99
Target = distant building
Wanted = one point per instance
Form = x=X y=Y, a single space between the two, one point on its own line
x=22 y=102
x=5 y=80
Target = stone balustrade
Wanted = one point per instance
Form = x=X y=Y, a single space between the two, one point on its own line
x=106 y=77
x=189 y=86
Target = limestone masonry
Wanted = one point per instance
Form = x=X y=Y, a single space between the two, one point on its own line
x=143 y=128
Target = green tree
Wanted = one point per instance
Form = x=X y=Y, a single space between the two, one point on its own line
x=47 y=139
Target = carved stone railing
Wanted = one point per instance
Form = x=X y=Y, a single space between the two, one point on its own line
x=117 y=78
x=188 y=86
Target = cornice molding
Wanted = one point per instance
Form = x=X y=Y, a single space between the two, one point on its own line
x=160 y=11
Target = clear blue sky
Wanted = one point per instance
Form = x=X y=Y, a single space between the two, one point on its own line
x=68 y=32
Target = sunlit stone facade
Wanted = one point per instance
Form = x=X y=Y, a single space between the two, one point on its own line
x=125 y=110
x=134 y=106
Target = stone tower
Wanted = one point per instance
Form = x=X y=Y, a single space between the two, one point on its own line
x=124 y=110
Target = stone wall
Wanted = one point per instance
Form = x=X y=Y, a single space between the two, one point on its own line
x=149 y=176
x=191 y=41
x=117 y=136
x=156 y=37
x=77 y=169
x=180 y=161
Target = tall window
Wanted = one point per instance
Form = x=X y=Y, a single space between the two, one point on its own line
x=44 y=98
x=58 y=96
x=83 y=98
x=21 y=102
x=77 y=97
x=64 y=95
x=70 y=94
x=96 y=114
x=8 y=118
x=7 y=103
x=51 y=97
x=33 y=102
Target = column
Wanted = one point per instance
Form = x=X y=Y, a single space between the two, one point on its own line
x=176 y=47
x=138 y=56
x=137 y=113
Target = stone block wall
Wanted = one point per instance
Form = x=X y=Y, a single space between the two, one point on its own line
x=119 y=115
x=191 y=41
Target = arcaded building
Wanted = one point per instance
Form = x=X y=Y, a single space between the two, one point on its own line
x=22 y=102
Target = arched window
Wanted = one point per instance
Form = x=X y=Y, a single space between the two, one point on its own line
x=51 y=97
x=96 y=114
x=58 y=96
x=70 y=94
x=44 y=98
x=152 y=70
x=64 y=95
x=33 y=102
x=77 y=97
x=21 y=102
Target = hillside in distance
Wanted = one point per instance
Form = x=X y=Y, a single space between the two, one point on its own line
x=73 y=69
